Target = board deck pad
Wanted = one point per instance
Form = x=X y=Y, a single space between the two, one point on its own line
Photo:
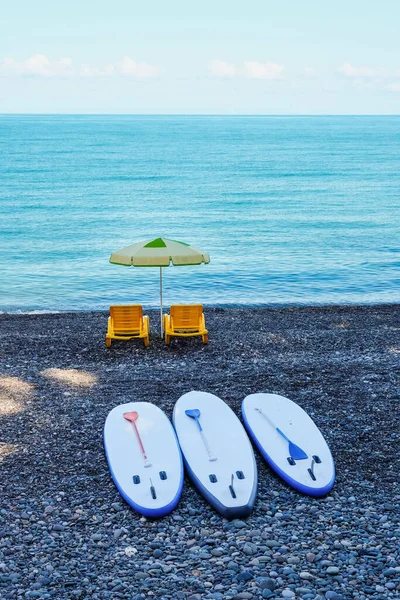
x=151 y=484
x=312 y=471
x=222 y=467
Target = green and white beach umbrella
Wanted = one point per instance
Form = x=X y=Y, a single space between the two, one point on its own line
x=159 y=252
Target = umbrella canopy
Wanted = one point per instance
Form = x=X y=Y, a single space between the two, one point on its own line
x=159 y=252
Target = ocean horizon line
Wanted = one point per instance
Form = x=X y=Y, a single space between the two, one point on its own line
x=239 y=115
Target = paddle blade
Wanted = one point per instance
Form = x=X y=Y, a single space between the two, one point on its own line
x=131 y=416
x=296 y=453
x=193 y=412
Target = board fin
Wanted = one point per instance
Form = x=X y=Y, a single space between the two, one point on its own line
x=153 y=490
x=311 y=470
x=231 y=489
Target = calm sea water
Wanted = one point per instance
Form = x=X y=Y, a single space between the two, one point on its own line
x=292 y=210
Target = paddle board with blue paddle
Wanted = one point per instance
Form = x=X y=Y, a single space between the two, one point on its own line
x=144 y=457
x=217 y=453
x=290 y=442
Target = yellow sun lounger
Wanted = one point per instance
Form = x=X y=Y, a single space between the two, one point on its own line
x=185 y=320
x=127 y=322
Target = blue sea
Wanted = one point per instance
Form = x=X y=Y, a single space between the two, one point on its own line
x=292 y=210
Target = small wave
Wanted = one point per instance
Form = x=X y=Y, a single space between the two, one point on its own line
x=30 y=312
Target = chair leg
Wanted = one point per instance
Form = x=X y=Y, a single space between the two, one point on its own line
x=167 y=339
x=205 y=338
x=146 y=340
x=108 y=342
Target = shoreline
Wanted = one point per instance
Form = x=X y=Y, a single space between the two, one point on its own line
x=59 y=506
x=206 y=307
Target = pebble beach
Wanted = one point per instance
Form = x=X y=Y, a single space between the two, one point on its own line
x=66 y=533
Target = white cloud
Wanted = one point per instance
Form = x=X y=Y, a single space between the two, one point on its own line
x=348 y=70
x=393 y=87
x=370 y=77
x=221 y=68
x=257 y=70
x=251 y=69
x=130 y=67
x=39 y=65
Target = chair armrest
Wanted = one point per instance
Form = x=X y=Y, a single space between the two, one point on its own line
x=110 y=326
x=146 y=324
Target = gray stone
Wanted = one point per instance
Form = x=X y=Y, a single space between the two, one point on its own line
x=306 y=575
x=248 y=549
x=330 y=595
x=238 y=524
x=266 y=583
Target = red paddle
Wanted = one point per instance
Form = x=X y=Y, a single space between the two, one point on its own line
x=132 y=417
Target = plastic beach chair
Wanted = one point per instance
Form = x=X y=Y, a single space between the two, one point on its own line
x=185 y=320
x=127 y=322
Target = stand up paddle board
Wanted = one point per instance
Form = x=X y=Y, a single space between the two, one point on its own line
x=144 y=458
x=290 y=442
x=217 y=453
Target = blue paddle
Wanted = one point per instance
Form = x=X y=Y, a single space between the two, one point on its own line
x=295 y=451
x=194 y=413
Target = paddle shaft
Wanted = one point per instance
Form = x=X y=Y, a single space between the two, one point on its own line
x=161 y=310
x=139 y=439
x=272 y=424
x=211 y=456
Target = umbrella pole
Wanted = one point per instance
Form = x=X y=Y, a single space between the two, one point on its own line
x=161 y=315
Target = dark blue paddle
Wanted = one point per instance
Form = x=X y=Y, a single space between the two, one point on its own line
x=295 y=451
x=194 y=413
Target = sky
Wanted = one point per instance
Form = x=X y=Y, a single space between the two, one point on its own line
x=208 y=57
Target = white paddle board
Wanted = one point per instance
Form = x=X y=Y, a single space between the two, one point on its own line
x=306 y=464
x=146 y=463
x=220 y=458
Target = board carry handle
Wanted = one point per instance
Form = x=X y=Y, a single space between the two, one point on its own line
x=194 y=413
x=294 y=450
x=132 y=417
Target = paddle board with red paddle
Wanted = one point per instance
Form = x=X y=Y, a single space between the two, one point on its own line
x=144 y=457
